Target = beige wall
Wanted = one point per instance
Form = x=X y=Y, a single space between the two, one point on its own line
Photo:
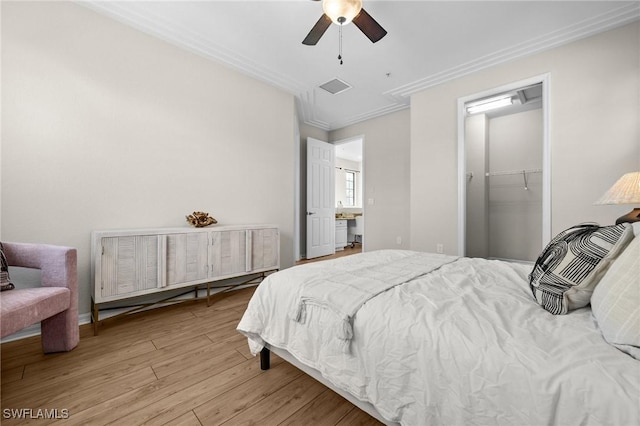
x=105 y=127
x=594 y=133
x=386 y=178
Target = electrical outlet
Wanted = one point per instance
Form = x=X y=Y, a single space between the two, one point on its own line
x=439 y=248
x=371 y=201
x=398 y=240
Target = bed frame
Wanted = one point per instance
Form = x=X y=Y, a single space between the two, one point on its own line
x=265 y=364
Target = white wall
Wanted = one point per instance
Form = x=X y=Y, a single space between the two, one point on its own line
x=105 y=127
x=594 y=133
x=386 y=178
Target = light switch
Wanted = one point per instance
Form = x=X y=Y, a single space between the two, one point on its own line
x=371 y=201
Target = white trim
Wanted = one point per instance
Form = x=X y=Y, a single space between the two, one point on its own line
x=609 y=20
x=368 y=115
x=192 y=41
x=297 y=206
x=545 y=79
x=462 y=176
x=187 y=38
x=34 y=329
x=546 y=160
x=83 y=319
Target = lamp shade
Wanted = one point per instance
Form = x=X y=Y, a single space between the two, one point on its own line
x=341 y=12
x=625 y=191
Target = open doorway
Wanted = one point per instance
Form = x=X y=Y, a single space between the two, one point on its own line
x=334 y=223
x=349 y=190
x=504 y=190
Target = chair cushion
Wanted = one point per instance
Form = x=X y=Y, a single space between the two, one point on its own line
x=22 y=307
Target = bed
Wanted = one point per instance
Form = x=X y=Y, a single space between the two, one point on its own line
x=443 y=340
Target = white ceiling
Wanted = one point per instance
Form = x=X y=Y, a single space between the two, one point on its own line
x=428 y=42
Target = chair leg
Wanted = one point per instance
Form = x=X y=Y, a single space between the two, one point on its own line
x=60 y=333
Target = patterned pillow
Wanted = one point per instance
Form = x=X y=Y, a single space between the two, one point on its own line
x=571 y=265
x=5 y=281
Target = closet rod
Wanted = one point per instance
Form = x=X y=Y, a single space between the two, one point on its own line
x=347 y=170
x=517 y=172
x=513 y=172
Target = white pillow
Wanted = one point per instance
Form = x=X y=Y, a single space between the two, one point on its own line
x=615 y=302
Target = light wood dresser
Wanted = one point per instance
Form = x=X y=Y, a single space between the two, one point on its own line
x=130 y=264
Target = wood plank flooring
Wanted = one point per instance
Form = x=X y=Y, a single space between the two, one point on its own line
x=179 y=365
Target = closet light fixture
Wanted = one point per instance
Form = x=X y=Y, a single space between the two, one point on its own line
x=625 y=191
x=489 y=104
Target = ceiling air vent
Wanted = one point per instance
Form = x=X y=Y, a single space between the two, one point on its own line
x=335 y=86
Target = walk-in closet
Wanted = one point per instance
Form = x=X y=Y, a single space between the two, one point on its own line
x=504 y=175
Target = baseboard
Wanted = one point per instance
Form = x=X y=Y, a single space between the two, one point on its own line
x=34 y=330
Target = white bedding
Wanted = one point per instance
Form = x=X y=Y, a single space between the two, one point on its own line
x=464 y=344
x=345 y=288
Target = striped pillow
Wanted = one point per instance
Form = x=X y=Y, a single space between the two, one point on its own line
x=5 y=281
x=571 y=265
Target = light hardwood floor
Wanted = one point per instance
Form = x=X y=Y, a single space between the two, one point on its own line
x=180 y=365
x=348 y=250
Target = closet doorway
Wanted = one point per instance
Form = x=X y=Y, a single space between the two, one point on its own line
x=504 y=172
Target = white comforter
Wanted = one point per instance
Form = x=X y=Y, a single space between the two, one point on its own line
x=465 y=344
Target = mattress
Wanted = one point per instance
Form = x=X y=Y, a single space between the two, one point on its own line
x=463 y=344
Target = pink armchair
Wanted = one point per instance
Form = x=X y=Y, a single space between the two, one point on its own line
x=54 y=304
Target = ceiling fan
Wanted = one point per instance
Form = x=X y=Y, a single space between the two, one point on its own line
x=341 y=12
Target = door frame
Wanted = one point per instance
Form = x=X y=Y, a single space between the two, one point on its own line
x=546 y=156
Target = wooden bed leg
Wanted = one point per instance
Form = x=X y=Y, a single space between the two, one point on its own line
x=265 y=359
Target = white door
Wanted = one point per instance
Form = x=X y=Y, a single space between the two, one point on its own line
x=321 y=216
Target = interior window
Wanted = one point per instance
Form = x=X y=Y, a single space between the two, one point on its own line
x=350 y=188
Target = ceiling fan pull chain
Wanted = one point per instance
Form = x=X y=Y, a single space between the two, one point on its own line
x=340 y=44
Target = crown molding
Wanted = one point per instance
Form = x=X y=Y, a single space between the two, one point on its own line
x=589 y=27
x=358 y=118
x=308 y=112
x=190 y=40
x=607 y=21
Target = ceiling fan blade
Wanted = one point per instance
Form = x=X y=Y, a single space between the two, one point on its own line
x=317 y=31
x=369 y=26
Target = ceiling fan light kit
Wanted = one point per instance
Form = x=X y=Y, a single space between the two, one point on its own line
x=342 y=12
